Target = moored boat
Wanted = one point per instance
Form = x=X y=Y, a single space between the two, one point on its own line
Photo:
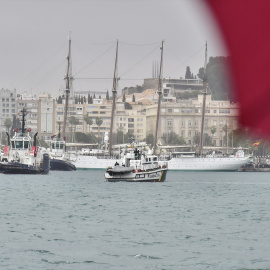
x=189 y=161
x=58 y=161
x=22 y=155
x=201 y=161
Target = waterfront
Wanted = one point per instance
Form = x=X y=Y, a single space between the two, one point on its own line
x=76 y=220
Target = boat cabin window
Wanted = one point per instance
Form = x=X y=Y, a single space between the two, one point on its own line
x=183 y=154
x=26 y=143
x=20 y=144
x=58 y=145
x=149 y=159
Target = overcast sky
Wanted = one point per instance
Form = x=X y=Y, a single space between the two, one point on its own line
x=34 y=41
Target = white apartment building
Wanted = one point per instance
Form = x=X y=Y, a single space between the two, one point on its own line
x=8 y=106
x=132 y=121
x=40 y=114
x=100 y=108
x=184 y=118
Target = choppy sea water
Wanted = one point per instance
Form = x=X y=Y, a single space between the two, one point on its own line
x=76 y=220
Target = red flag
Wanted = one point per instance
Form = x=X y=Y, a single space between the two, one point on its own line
x=245 y=28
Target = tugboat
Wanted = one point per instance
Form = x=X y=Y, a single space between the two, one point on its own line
x=137 y=167
x=22 y=155
x=57 y=155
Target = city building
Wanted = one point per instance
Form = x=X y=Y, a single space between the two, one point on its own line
x=184 y=118
x=40 y=113
x=8 y=108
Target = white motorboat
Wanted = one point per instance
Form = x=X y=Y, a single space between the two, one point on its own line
x=137 y=167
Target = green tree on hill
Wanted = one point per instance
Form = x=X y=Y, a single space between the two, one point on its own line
x=218 y=77
x=188 y=73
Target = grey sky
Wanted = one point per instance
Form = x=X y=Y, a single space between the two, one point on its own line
x=34 y=41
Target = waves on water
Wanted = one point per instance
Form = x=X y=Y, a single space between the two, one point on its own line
x=76 y=220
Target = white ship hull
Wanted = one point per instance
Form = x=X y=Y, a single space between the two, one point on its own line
x=207 y=163
x=92 y=162
x=178 y=164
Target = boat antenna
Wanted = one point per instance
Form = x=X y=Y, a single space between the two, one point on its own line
x=23 y=111
x=67 y=91
x=59 y=131
x=204 y=98
x=114 y=91
x=159 y=95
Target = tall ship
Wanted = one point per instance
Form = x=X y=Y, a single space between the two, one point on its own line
x=204 y=162
x=97 y=158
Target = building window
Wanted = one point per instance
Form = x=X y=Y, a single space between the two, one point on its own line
x=183 y=123
x=186 y=111
x=227 y=111
x=189 y=122
x=183 y=133
x=170 y=122
x=189 y=133
x=196 y=123
x=169 y=110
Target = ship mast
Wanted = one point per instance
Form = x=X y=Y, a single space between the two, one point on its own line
x=204 y=98
x=67 y=91
x=114 y=91
x=159 y=96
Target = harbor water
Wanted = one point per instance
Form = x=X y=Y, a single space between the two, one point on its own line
x=77 y=220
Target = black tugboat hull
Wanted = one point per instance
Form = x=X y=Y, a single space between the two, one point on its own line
x=61 y=165
x=19 y=168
